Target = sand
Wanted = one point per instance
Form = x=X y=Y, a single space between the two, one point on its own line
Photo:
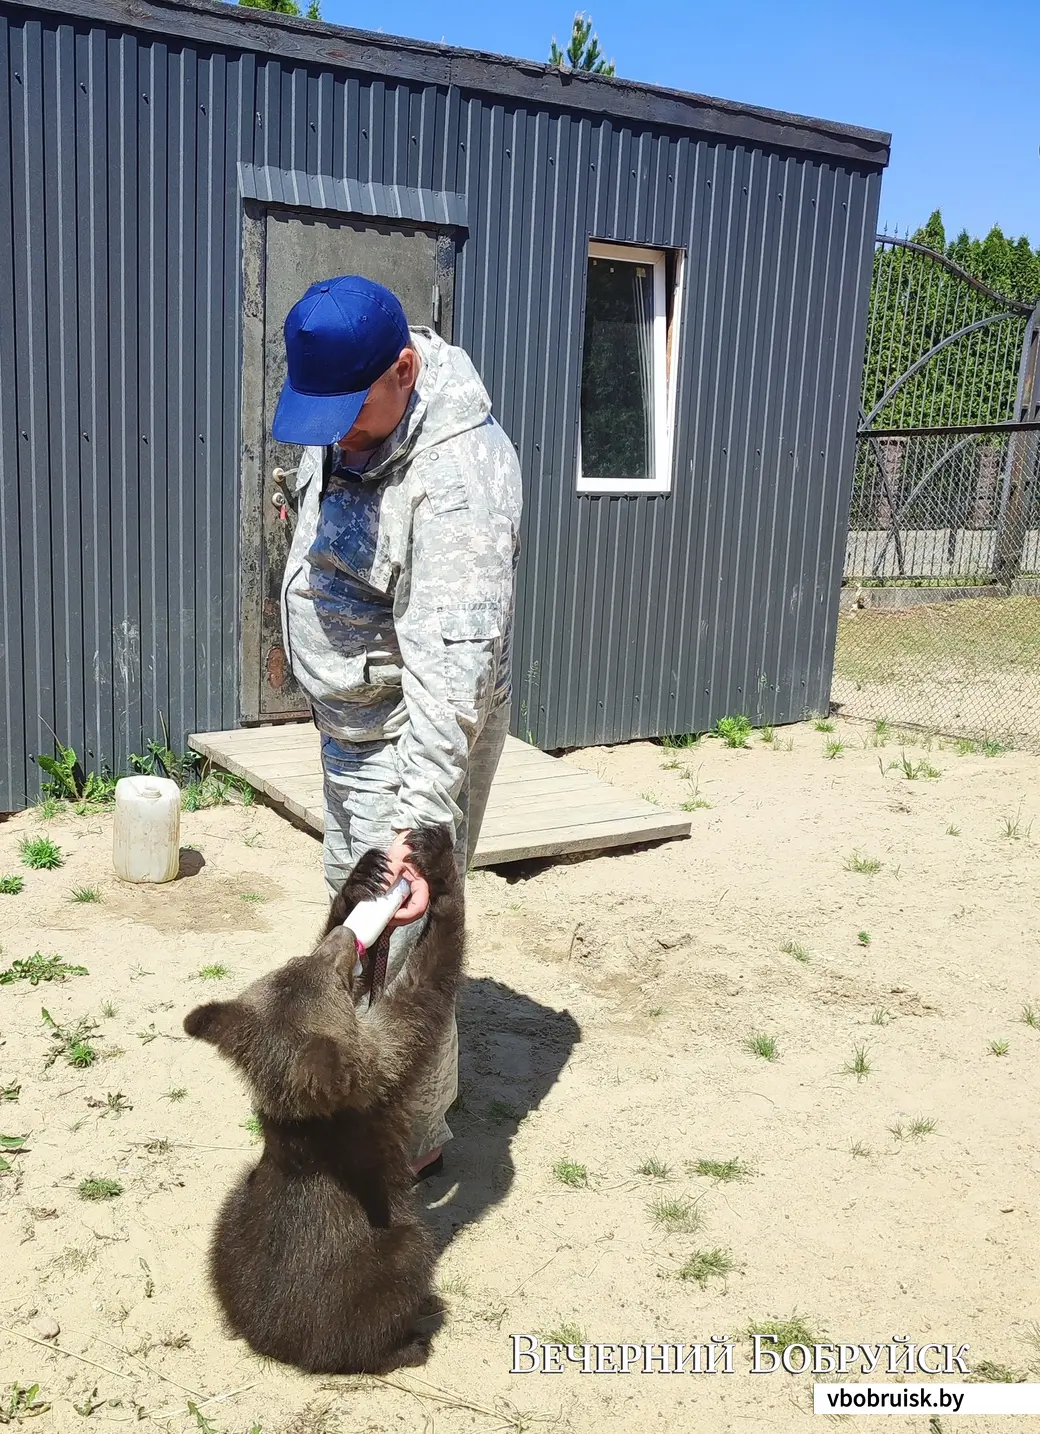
x=603 y=1023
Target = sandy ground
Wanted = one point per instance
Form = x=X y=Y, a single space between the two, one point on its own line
x=603 y=1023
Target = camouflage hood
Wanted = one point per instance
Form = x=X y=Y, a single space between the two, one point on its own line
x=449 y=400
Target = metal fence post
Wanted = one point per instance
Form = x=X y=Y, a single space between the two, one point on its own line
x=1020 y=469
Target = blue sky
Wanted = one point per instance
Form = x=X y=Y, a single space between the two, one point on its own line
x=954 y=83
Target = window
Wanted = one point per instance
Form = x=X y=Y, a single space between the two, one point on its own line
x=628 y=370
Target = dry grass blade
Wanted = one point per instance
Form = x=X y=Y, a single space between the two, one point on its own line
x=507 y=1415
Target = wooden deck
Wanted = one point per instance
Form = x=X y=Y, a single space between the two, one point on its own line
x=539 y=806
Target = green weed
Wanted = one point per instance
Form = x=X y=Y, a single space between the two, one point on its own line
x=951 y=830
x=859 y=1149
x=792 y=948
x=10 y=1092
x=1030 y=1017
x=863 y=937
x=569 y=1172
x=999 y=1048
x=681 y=741
x=254 y=1128
x=654 y=1168
x=97 y=1187
x=1013 y=826
x=822 y=725
x=216 y=972
x=177 y=1093
x=37 y=968
x=833 y=749
x=40 y=853
x=566 y=1334
x=784 y=1332
x=865 y=865
x=705 y=1265
x=11 y=885
x=68 y=782
x=733 y=731
x=720 y=1169
x=22 y=1403
x=881 y=1017
x=85 y=894
x=71 y=1041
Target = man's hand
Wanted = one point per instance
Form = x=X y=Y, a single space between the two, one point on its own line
x=398 y=859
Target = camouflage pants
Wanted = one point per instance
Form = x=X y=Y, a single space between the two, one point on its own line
x=361 y=784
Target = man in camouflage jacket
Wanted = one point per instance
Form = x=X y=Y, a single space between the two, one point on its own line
x=397 y=599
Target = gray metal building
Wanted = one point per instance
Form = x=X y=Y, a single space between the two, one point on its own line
x=173 y=173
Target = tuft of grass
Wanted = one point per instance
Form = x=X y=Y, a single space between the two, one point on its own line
x=677 y=1217
x=863 y=937
x=216 y=972
x=695 y=804
x=37 y=968
x=500 y=1111
x=822 y=725
x=569 y=1172
x=881 y=1017
x=85 y=894
x=913 y=770
x=10 y=1092
x=767 y=733
x=999 y=1048
x=1012 y=828
x=654 y=1168
x=914 y=1129
x=97 y=1187
x=11 y=885
x=109 y=1009
x=178 y=1092
x=720 y=1169
x=117 y=1103
x=951 y=830
x=252 y=1125
x=649 y=796
x=705 y=1265
x=216 y=790
x=1031 y=1018
x=785 y=1332
x=681 y=741
x=857 y=1148
x=988 y=1371
x=762 y=1045
x=859 y=1066
x=792 y=948
x=252 y=896
x=833 y=749
x=566 y=1334
x=733 y=731
x=865 y=865
x=40 y=853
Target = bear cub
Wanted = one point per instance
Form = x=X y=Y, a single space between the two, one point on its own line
x=319 y=1258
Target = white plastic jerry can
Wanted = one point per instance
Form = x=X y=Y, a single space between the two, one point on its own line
x=147 y=836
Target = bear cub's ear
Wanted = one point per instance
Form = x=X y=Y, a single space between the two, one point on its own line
x=216 y=1022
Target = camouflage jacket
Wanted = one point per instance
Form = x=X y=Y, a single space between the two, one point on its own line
x=397 y=599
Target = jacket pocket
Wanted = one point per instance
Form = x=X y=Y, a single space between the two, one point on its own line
x=472 y=636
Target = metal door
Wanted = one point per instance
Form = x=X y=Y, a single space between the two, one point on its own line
x=285 y=251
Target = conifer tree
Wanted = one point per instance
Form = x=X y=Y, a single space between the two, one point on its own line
x=583 y=52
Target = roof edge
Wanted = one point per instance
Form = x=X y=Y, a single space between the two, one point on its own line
x=317 y=42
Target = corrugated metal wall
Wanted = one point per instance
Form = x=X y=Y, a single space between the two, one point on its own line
x=120 y=368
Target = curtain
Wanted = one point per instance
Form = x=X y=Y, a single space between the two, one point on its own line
x=643 y=297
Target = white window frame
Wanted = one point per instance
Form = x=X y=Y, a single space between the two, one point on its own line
x=664 y=372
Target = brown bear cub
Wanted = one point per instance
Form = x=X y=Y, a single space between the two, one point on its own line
x=319 y=1258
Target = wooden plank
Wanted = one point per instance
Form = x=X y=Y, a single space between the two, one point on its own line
x=500 y=851
x=539 y=806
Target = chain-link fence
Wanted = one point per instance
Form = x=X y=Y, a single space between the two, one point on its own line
x=940 y=619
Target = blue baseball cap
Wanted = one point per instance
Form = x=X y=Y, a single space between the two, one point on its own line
x=339 y=338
